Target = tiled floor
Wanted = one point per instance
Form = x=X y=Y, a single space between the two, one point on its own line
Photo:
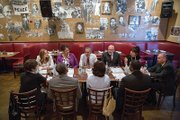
x=7 y=83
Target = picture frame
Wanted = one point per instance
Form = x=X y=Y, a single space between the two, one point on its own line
x=134 y=20
x=106 y=8
x=79 y=28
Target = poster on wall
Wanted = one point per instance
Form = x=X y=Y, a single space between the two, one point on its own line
x=94 y=33
x=103 y=23
x=35 y=9
x=175 y=30
x=7 y=11
x=20 y=9
x=62 y=12
x=121 y=6
x=1 y=11
x=106 y=8
x=155 y=20
x=140 y=6
x=152 y=34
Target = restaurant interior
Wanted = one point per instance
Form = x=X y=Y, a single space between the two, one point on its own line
x=27 y=26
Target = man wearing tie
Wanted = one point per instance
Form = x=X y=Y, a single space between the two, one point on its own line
x=111 y=58
x=87 y=59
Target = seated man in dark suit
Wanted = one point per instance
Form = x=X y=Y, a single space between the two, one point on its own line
x=111 y=58
x=135 y=81
x=163 y=74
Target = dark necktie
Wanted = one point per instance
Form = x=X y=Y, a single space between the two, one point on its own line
x=88 y=60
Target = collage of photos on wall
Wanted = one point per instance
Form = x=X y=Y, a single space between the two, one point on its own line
x=79 y=19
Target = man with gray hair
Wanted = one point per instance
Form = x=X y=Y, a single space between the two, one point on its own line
x=63 y=81
x=164 y=74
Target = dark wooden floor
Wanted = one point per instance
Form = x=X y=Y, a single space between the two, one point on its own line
x=7 y=83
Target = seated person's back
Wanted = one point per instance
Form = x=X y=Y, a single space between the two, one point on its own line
x=99 y=79
x=62 y=80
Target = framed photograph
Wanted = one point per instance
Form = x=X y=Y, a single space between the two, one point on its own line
x=79 y=28
x=134 y=20
x=106 y=8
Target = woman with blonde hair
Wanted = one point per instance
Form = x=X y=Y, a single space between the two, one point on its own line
x=45 y=60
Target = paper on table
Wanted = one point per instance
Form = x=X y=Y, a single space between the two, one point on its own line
x=49 y=78
x=42 y=72
x=116 y=70
x=70 y=72
x=118 y=76
x=89 y=72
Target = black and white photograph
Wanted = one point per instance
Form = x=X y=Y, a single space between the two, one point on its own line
x=7 y=11
x=88 y=11
x=113 y=23
x=65 y=32
x=147 y=18
x=37 y=23
x=51 y=29
x=25 y=22
x=122 y=20
x=140 y=6
x=14 y=27
x=103 y=23
x=1 y=11
x=1 y=36
x=35 y=9
x=79 y=28
x=94 y=33
x=155 y=20
x=175 y=30
x=134 y=20
x=76 y=13
x=69 y=2
x=152 y=34
x=106 y=7
x=121 y=6
x=153 y=5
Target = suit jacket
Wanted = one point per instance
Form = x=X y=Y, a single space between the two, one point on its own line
x=136 y=81
x=107 y=58
x=165 y=74
x=64 y=81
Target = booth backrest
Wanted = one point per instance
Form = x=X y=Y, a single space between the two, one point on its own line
x=8 y=47
x=78 y=47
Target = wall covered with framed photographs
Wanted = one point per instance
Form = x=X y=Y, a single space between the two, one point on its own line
x=81 y=20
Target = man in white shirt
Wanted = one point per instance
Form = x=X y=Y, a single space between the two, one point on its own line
x=87 y=59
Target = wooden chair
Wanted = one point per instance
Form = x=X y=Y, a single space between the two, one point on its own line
x=96 y=101
x=65 y=102
x=27 y=104
x=133 y=103
x=169 y=93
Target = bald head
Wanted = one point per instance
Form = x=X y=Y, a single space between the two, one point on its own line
x=161 y=58
x=111 y=49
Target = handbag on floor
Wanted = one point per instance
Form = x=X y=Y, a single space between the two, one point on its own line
x=109 y=104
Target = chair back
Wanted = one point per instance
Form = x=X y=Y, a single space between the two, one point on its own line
x=27 y=103
x=133 y=102
x=65 y=100
x=96 y=99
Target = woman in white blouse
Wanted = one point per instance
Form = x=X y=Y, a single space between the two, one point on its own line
x=99 y=79
x=45 y=60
